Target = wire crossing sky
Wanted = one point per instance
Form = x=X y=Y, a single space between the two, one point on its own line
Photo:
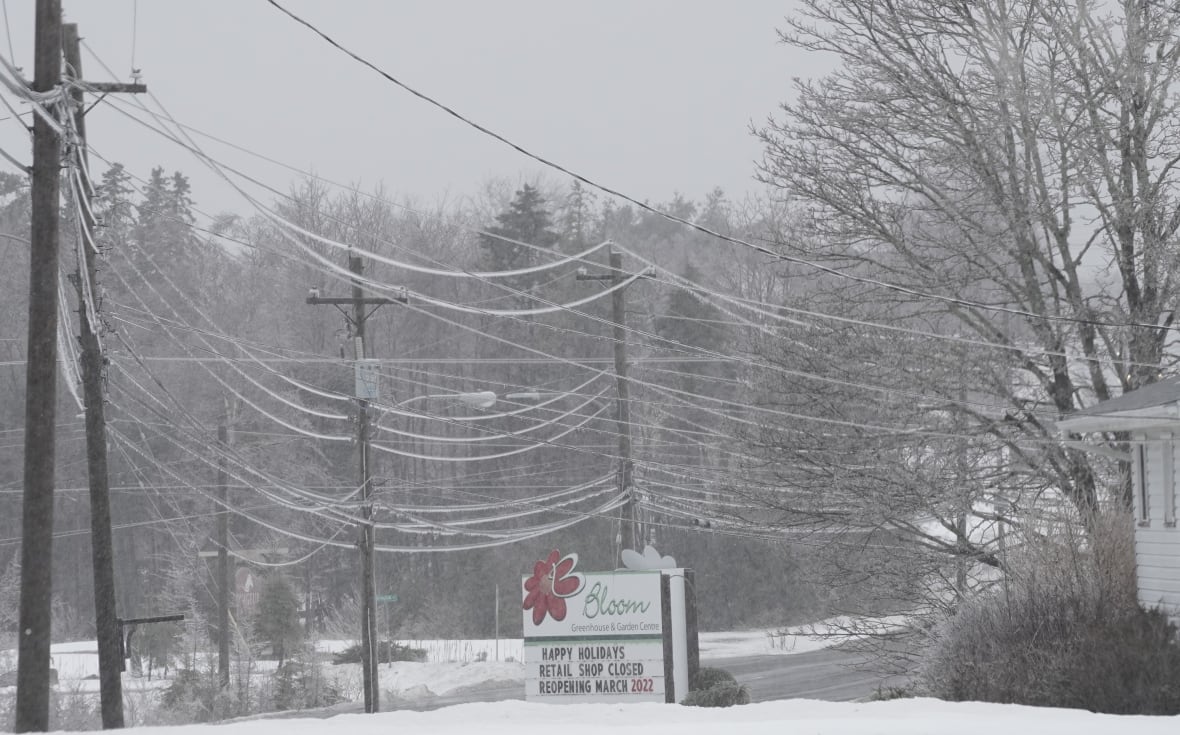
x=580 y=82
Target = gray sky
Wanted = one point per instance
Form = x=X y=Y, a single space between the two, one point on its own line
x=651 y=97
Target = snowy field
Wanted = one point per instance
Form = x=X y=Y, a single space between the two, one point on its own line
x=455 y=665
x=450 y=665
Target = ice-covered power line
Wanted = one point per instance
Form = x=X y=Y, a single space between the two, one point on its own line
x=556 y=261
x=802 y=374
x=321 y=509
x=22 y=167
x=345 y=275
x=492 y=538
x=39 y=102
x=557 y=420
x=550 y=501
x=779 y=256
x=320 y=435
x=499 y=454
x=769 y=310
x=684 y=398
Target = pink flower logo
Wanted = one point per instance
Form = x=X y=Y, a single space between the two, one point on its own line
x=553 y=580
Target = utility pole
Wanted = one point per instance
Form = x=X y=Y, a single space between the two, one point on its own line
x=365 y=391
x=222 y=558
x=629 y=513
x=32 y=678
x=110 y=653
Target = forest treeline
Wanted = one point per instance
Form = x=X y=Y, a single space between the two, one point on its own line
x=178 y=296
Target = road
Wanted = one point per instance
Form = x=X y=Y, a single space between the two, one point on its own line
x=824 y=674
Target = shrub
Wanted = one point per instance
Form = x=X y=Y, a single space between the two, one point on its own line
x=387 y=651
x=1063 y=655
x=299 y=685
x=1066 y=632
x=884 y=693
x=722 y=695
x=712 y=687
x=191 y=695
x=707 y=678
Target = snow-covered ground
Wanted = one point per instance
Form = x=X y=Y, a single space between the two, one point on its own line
x=450 y=665
x=453 y=665
x=804 y=717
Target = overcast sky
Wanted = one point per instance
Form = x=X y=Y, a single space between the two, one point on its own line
x=648 y=96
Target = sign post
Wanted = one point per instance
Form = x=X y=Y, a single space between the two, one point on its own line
x=391 y=597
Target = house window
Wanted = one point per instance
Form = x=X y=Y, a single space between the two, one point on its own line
x=1139 y=479
x=1169 y=489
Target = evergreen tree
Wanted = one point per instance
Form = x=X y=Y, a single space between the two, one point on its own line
x=165 y=214
x=113 y=209
x=276 y=622
x=577 y=216
x=527 y=220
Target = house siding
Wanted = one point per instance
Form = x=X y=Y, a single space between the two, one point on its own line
x=1157 y=540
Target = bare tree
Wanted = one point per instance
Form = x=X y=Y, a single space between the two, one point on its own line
x=1001 y=173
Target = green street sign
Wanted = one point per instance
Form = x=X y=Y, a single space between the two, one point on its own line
x=386 y=598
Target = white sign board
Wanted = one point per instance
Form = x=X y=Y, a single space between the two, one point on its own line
x=594 y=636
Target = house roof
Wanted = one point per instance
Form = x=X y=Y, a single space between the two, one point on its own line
x=1156 y=394
x=1155 y=406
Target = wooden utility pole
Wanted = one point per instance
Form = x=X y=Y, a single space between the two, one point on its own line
x=623 y=397
x=222 y=559
x=629 y=513
x=32 y=678
x=360 y=314
x=106 y=618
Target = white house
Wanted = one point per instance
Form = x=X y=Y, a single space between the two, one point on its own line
x=1151 y=415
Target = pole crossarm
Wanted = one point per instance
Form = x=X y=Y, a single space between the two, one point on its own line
x=102 y=89
x=113 y=88
x=173 y=618
x=128 y=626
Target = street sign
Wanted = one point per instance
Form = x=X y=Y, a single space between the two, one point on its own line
x=386 y=598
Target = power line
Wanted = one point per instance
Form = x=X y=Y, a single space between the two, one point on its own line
x=767 y=310
x=694 y=287
x=8 y=32
x=696 y=226
x=694 y=395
